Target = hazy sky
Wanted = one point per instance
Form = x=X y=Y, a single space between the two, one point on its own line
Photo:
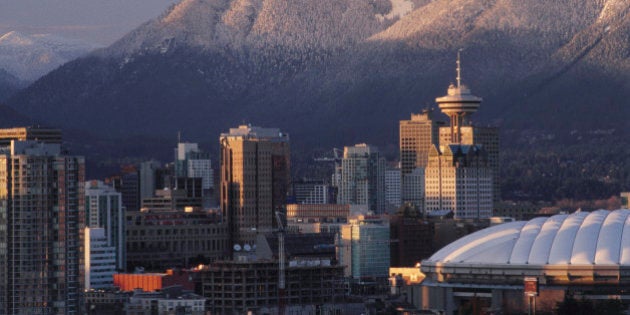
x=93 y=21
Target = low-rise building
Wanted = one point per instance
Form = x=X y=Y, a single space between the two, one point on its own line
x=159 y=240
x=171 y=300
x=316 y=218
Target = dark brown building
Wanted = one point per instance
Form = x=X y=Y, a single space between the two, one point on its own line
x=412 y=237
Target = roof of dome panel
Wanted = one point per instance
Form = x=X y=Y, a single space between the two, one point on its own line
x=583 y=238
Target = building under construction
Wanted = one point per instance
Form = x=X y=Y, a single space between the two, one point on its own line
x=250 y=282
x=242 y=286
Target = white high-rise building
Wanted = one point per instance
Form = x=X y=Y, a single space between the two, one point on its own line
x=103 y=209
x=100 y=260
x=458 y=178
x=363 y=178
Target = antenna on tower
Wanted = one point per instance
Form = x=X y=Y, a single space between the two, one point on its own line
x=179 y=136
x=459 y=68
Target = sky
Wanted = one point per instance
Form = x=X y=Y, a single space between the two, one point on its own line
x=99 y=22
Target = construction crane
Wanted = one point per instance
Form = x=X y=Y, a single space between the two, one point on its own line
x=281 y=265
x=281 y=260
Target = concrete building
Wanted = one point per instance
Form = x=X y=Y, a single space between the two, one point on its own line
x=583 y=254
x=458 y=179
x=254 y=179
x=363 y=178
x=100 y=260
x=103 y=209
x=364 y=248
x=158 y=240
x=41 y=222
x=393 y=188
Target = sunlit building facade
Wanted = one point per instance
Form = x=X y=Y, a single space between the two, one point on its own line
x=255 y=179
x=41 y=221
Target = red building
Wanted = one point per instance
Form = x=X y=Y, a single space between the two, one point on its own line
x=150 y=282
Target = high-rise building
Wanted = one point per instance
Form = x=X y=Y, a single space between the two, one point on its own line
x=413 y=188
x=363 y=178
x=417 y=136
x=393 y=188
x=41 y=226
x=149 y=174
x=100 y=260
x=128 y=185
x=254 y=179
x=103 y=209
x=190 y=161
x=459 y=179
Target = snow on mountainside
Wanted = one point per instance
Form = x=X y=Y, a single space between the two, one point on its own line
x=28 y=57
x=289 y=25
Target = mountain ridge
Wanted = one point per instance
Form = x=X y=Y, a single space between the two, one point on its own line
x=335 y=72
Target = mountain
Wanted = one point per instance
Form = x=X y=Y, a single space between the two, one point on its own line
x=9 y=84
x=337 y=72
x=28 y=57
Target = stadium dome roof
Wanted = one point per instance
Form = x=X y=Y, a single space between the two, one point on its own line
x=583 y=238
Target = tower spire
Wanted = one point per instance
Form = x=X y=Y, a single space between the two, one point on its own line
x=459 y=68
x=458 y=104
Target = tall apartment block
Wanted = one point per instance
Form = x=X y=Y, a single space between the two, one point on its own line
x=104 y=209
x=362 y=178
x=41 y=226
x=254 y=179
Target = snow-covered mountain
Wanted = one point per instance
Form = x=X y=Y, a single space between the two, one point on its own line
x=342 y=71
x=29 y=57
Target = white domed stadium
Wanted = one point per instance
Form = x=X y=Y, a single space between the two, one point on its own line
x=585 y=253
